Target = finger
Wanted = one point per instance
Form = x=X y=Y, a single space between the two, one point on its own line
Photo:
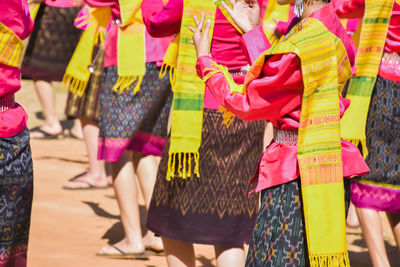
x=233 y=2
x=191 y=29
x=196 y=20
x=207 y=28
x=200 y=25
x=191 y=42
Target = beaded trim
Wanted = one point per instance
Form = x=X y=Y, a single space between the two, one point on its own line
x=7 y=103
x=287 y=137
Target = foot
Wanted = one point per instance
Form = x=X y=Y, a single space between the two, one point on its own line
x=46 y=132
x=76 y=132
x=124 y=246
x=153 y=242
x=87 y=181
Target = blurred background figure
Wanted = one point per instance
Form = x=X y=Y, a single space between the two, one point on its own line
x=50 y=48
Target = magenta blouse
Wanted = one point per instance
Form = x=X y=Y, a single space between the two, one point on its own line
x=15 y=15
x=276 y=96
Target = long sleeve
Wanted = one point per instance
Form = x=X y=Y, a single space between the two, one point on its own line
x=350 y=8
x=276 y=93
x=162 y=20
x=256 y=43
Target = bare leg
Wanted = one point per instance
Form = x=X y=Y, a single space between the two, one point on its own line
x=126 y=193
x=371 y=226
x=229 y=256
x=45 y=93
x=394 y=220
x=179 y=254
x=96 y=175
x=352 y=219
x=146 y=170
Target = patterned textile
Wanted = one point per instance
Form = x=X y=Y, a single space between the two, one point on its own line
x=325 y=67
x=279 y=235
x=214 y=208
x=374 y=29
x=52 y=44
x=88 y=105
x=10 y=47
x=16 y=191
x=380 y=189
x=134 y=121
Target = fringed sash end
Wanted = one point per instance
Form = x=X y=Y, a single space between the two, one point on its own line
x=172 y=72
x=75 y=85
x=331 y=260
x=124 y=83
x=180 y=165
x=363 y=142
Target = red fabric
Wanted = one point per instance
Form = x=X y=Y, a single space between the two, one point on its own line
x=276 y=96
x=15 y=15
x=355 y=9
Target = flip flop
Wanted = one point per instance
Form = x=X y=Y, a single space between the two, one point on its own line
x=46 y=135
x=155 y=252
x=89 y=187
x=122 y=255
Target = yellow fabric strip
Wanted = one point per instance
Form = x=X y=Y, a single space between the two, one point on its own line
x=187 y=110
x=274 y=12
x=371 y=44
x=77 y=73
x=33 y=10
x=10 y=47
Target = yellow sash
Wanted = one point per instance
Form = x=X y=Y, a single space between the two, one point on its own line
x=130 y=48
x=274 y=11
x=374 y=29
x=10 y=47
x=325 y=68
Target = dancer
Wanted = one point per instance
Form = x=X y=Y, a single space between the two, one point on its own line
x=295 y=84
x=86 y=109
x=207 y=147
x=16 y=173
x=373 y=119
x=135 y=104
x=50 y=48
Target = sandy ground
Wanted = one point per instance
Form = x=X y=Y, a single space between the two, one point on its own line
x=68 y=227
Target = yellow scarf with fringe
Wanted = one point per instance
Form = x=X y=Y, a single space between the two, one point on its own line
x=11 y=47
x=131 y=65
x=374 y=29
x=325 y=68
x=187 y=110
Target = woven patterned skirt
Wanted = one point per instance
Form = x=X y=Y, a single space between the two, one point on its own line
x=51 y=44
x=87 y=106
x=134 y=122
x=214 y=209
x=16 y=191
x=380 y=189
x=279 y=236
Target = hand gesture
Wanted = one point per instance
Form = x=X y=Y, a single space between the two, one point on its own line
x=246 y=14
x=201 y=38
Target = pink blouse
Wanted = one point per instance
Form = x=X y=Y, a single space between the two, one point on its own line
x=15 y=15
x=355 y=9
x=276 y=96
x=227 y=48
x=63 y=3
x=155 y=47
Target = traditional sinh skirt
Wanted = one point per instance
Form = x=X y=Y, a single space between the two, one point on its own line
x=279 y=237
x=134 y=122
x=215 y=208
x=51 y=44
x=88 y=105
x=16 y=191
x=380 y=189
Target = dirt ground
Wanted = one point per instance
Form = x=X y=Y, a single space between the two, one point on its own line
x=68 y=227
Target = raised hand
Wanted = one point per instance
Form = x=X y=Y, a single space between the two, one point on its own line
x=246 y=14
x=201 y=38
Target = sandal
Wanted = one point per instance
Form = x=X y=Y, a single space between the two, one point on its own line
x=155 y=252
x=123 y=255
x=86 y=185
x=46 y=135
